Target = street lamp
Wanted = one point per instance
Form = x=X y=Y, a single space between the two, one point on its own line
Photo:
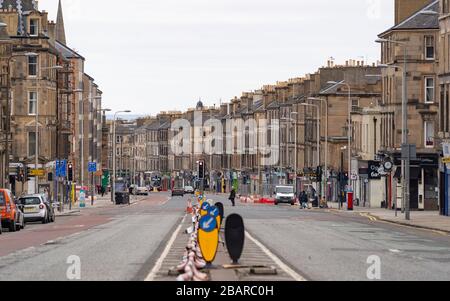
x=36 y=186
x=82 y=134
x=349 y=131
x=113 y=182
x=325 y=101
x=318 y=129
x=295 y=141
x=406 y=162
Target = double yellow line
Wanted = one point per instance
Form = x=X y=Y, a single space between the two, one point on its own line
x=370 y=217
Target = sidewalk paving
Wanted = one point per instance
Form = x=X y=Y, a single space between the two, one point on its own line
x=99 y=202
x=430 y=220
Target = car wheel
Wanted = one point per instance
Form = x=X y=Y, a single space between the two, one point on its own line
x=12 y=226
x=23 y=225
x=45 y=220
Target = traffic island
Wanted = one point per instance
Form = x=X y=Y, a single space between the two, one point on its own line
x=254 y=265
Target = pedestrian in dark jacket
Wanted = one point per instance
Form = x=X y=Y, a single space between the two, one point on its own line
x=233 y=197
x=303 y=199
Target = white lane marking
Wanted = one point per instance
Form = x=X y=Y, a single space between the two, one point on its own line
x=278 y=261
x=165 y=202
x=394 y=251
x=164 y=254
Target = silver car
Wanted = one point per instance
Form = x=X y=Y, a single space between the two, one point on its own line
x=37 y=209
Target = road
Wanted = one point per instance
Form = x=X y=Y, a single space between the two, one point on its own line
x=123 y=243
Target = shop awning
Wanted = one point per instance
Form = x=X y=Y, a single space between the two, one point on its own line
x=414 y=174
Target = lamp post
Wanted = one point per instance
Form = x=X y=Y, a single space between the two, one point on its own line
x=113 y=176
x=325 y=101
x=295 y=141
x=349 y=131
x=318 y=133
x=36 y=182
x=405 y=144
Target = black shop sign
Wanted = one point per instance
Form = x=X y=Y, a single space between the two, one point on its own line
x=374 y=170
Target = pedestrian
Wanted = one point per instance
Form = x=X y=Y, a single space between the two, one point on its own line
x=232 y=197
x=303 y=200
x=102 y=190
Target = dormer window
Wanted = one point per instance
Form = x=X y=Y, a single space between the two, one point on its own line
x=34 y=27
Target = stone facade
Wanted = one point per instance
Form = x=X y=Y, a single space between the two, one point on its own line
x=48 y=92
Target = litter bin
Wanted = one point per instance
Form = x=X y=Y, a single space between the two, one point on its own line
x=122 y=198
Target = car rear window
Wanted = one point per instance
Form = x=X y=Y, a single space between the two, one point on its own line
x=2 y=199
x=30 y=201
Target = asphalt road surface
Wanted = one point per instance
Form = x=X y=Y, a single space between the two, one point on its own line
x=123 y=243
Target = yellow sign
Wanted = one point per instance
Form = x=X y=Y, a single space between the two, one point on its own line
x=208 y=238
x=219 y=221
x=446 y=160
x=37 y=172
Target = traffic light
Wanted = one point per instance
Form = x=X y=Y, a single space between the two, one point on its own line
x=201 y=169
x=26 y=177
x=70 y=172
x=319 y=173
x=19 y=173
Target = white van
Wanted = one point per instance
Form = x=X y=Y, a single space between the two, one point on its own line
x=285 y=195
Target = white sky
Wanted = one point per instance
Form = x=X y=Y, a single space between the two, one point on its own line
x=154 y=55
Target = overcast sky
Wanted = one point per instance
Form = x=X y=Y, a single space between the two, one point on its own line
x=154 y=55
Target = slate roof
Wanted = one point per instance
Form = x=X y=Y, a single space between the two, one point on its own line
x=165 y=125
x=67 y=52
x=274 y=105
x=22 y=6
x=419 y=20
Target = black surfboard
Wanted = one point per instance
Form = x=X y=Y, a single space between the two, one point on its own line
x=220 y=206
x=235 y=236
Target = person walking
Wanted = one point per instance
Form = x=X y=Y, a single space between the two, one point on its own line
x=303 y=200
x=102 y=190
x=232 y=197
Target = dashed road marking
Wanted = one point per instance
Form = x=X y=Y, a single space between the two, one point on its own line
x=164 y=254
x=275 y=259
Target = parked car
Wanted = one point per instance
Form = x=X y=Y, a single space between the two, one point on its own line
x=142 y=191
x=178 y=191
x=285 y=194
x=35 y=208
x=51 y=207
x=189 y=190
x=11 y=214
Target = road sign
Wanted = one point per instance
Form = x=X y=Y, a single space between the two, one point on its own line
x=213 y=211
x=219 y=205
x=208 y=223
x=446 y=150
x=61 y=169
x=204 y=208
x=92 y=167
x=235 y=236
x=208 y=238
x=37 y=173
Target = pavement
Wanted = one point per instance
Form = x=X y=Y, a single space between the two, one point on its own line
x=430 y=220
x=99 y=202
